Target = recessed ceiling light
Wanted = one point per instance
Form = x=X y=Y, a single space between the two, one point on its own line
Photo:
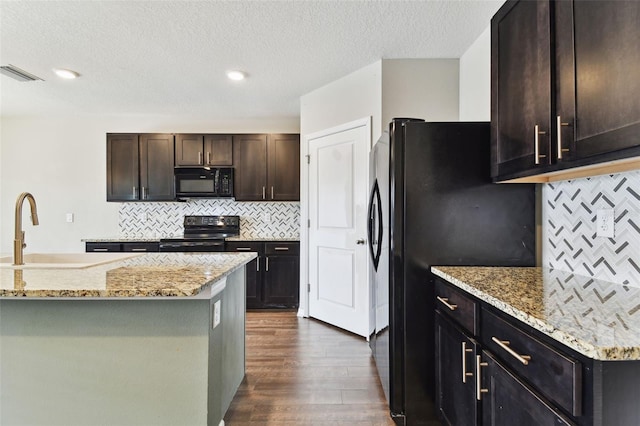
x=236 y=75
x=64 y=73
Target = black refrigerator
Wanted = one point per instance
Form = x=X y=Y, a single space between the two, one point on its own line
x=432 y=203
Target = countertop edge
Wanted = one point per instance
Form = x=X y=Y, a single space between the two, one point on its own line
x=599 y=353
x=157 y=294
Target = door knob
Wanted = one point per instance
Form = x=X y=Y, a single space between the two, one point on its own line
x=360 y=241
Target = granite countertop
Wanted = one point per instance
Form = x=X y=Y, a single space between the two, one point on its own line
x=177 y=275
x=596 y=318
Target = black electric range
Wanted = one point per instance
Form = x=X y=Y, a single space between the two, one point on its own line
x=203 y=234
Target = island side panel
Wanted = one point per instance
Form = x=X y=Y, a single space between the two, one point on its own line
x=233 y=321
x=90 y=362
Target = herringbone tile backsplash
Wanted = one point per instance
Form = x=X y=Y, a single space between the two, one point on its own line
x=569 y=227
x=257 y=220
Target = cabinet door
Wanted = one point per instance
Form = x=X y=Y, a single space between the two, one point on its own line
x=455 y=377
x=281 y=281
x=156 y=167
x=607 y=87
x=521 y=88
x=122 y=167
x=218 y=150
x=509 y=401
x=250 y=161
x=189 y=150
x=283 y=153
x=254 y=270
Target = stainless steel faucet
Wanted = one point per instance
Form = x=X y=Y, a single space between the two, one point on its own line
x=18 y=242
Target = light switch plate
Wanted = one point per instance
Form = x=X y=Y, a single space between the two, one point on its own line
x=69 y=217
x=605 y=223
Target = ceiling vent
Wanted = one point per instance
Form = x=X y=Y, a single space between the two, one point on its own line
x=17 y=74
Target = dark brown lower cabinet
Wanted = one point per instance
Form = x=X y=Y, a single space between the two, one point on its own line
x=509 y=401
x=122 y=246
x=281 y=281
x=455 y=358
x=253 y=270
x=273 y=278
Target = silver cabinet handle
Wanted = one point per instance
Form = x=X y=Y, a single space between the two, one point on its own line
x=267 y=265
x=100 y=249
x=144 y=193
x=263 y=193
x=281 y=249
x=560 y=125
x=135 y=193
x=243 y=248
x=504 y=344
x=199 y=157
x=209 y=157
x=272 y=192
x=360 y=241
x=537 y=143
x=479 y=389
x=445 y=302
x=139 y=249
x=258 y=264
x=465 y=350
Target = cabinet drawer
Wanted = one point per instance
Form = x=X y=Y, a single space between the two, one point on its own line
x=245 y=246
x=101 y=247
x=141 y=247
x=554 y=374
x=457 y=305
x=287 y=248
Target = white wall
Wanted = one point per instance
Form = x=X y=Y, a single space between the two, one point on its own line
x=420 y=88
x=475 y=80
x=62 y=161
x=347 y=99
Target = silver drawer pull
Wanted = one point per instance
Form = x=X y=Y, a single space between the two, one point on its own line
x=139 y=249
x=504 y=344
x=560 y=125
x=243 y=248
x=479 y=389
x=446 y=303
x=536 y=143
x=464 y=362
x=99 y=249
x=281 y=249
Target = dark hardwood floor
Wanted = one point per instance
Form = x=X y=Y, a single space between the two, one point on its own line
x=304 y=372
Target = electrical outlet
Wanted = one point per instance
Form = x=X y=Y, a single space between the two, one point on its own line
x=69 y=217
x=267 y=217
x=605 y=223
x=216 y=314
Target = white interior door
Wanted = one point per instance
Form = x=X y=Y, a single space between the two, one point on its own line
x=338 y=251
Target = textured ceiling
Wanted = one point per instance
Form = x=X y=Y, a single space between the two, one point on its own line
x=170 y=57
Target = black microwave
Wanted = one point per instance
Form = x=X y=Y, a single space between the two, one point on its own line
x=204 y=182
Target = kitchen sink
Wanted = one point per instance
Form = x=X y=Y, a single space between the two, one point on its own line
x=64 y=260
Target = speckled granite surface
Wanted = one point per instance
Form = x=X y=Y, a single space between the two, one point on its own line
x=146 y=275
x=596 y=318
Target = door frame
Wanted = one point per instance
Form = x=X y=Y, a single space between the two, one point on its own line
x=303 y=309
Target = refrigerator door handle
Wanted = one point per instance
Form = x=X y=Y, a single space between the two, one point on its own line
x=374 y=240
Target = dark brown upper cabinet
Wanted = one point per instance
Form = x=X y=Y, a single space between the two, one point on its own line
x=140 y=167
x=204 y=150
x=563 y=88
x=267 y=167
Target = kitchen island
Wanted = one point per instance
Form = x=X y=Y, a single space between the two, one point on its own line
x=151 y=339
x=550 y=346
